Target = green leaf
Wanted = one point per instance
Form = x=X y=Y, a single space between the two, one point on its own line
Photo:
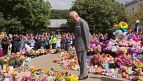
x=100 y=14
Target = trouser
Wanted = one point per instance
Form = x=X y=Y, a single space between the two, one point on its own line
x=5 y=49
x=15 y=49
x=82 y=62
x=53 y=45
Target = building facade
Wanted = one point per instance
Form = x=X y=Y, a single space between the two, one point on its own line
x=134 y=6
x=59 y=25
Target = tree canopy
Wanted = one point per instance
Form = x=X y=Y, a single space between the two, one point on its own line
x=59 y=14
x=23 y=15
x=100 y=14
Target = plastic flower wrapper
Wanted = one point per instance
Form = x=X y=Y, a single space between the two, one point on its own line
x=61 y=79
x=118 y=33
x=27 y=59
x=91 y=69
x=115 y=73
x=140 y=78
x=7 y=78
x=42 y=51
x=134 y=56
x=13 y=55
x=27 y=76
x=19 y=76
x=140 y=56
x=51 y=78
x=130 y=72
x=2 y=77
x=75 y=67
x=139 y=72
x=98 y=70
x=45 y=79
x=59 y=75
x=138 y=63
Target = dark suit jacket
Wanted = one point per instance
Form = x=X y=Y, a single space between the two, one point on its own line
x=82 y=35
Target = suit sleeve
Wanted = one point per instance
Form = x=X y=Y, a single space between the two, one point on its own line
x=86 y=34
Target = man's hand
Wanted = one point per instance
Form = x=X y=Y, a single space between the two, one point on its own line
x=87 y=49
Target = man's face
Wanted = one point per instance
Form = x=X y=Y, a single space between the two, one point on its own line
x=73 y=18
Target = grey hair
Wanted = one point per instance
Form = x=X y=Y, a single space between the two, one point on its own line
x=73 y=13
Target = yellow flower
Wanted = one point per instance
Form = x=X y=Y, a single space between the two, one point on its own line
x=34 y=69
x=139 y=80
x=46 y=71
x=73 y=78
x=18 y=53
x=22 y=57
x=6 y=68
x=13 y=73
x=36 y=73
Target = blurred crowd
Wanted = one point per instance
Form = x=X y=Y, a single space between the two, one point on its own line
x=108 y=42
x=12 y=43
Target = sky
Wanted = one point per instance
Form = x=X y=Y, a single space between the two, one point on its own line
x=124 y=1
x=66 y=4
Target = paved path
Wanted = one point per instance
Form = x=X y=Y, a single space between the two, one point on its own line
x=46 y=62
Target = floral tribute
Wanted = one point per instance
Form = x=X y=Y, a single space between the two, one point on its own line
x=14 y=68
x=127 y=66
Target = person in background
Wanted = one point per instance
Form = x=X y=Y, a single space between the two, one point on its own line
x=31 y=41
x=63 y=42
x=15 y=44
x=1 y=50
x=53 y=41
x=5 y=43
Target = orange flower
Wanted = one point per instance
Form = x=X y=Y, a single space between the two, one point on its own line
x=58 y=75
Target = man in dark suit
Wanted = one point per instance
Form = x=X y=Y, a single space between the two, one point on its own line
x=81 y=43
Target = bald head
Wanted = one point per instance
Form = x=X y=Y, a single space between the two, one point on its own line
x=73 y=13
x=74 y=16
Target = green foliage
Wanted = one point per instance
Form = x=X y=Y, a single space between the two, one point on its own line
x=59 y=14
x=2 y=62
x=100 y=14
x=15 y=62
x=18 y=62
x=23 y=15
x=12 y=61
